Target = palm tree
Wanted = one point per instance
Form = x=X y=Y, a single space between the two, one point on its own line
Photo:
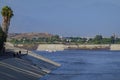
x=7 y=14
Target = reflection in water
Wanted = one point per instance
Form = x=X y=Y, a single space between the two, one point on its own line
x=85 y=65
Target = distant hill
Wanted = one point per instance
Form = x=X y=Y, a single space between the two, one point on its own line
x=29 y=35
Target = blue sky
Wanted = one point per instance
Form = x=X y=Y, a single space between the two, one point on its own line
x=65 y=17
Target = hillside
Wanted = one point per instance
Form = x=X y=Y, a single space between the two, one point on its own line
x=28 y=35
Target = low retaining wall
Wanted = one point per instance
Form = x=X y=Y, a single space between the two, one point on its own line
x=115 y=47
x=60 y=47
x=51 y=47
x=89 y=47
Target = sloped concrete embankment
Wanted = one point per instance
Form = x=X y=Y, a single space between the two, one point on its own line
x=31 y=66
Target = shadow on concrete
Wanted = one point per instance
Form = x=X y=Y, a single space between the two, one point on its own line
x=11 y=54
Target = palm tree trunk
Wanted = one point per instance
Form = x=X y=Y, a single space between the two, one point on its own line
x=5 y=25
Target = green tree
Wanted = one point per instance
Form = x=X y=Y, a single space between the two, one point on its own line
x=112 y=39
x=98 y=39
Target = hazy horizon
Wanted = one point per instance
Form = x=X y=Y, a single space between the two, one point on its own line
x=65 y=17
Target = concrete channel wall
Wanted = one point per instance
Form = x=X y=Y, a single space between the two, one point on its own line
x=60 y=47
x=51 y=47
x=115 y=47
x=28 y=66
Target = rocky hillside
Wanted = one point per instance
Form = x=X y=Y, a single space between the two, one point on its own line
x=28 y=35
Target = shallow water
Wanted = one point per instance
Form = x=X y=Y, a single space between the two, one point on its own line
x=84 y=65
